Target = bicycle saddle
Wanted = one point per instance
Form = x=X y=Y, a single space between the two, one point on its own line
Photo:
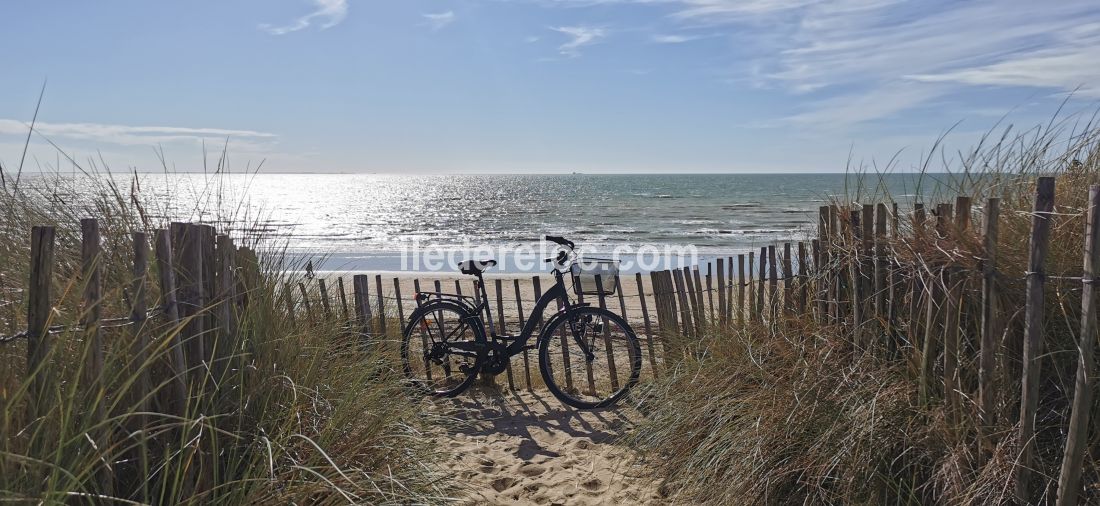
x=475 y=267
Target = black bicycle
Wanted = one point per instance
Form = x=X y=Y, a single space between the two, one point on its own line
x=588 y=356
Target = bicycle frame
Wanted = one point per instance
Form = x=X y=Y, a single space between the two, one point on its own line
x=557 y=292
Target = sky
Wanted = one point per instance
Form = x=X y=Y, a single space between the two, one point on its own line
x=532 y=86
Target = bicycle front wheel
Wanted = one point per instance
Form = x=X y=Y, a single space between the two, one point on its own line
x=589 y=358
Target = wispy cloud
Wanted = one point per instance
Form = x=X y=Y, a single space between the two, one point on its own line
x=674 y=39
x=580 y=36
x=129 y=135
x=328 y=14
x=439 y=20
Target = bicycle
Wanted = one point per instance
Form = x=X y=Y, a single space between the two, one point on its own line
x=445 y=343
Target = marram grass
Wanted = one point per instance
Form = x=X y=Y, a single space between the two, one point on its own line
x=305 y=414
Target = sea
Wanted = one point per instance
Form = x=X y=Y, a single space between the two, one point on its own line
x=375 y=222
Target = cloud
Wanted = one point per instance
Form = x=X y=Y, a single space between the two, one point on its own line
x=580 y=36
x=439 y=20
x=674 y=39
x=329 y=12
x=130 y=135
x=869 y=59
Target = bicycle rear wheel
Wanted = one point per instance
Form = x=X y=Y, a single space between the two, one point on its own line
x=429 y=356
x=590 y=358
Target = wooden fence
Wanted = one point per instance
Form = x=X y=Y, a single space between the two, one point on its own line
x=850 y=278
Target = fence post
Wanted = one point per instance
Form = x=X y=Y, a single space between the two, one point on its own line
x=750 y=284
x=710 y=294
x=607 y=335
x=39 y=340
x=987 y=353
x=953 y=278
x=381 y=305
x=723 y=300
x=788 y=279
x=139 y=307
x=645 y=320
x=361 y=297
x=1069 y=479
x=502 y=328
x=1033 y=333
x=229 y=346
x=143 y=386
x=894 y=293
x=803 y=279
x=188 y=239
x=741 y=289
x=326 y=306
x=859 y=295
x=521 y=323
x=170 y=308
x=288 y=295
x=821 y=263
x=305 y=302
x=762 y=286
x=838 y=265
x=685 y=310
x=344 y=297
x=397 y=302
x=773 y=286
x=881 y=265
x=917 y=281
x=93 y=342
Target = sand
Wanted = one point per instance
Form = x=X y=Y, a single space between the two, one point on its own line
x=529 y=448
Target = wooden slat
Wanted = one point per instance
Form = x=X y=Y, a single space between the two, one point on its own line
x=381 y=305
x=1077 y=440
x=987 y=352
x=788 y=279
x=1033 y=334
x=646 y=322
x=397 y=302
x=360 y=284
x=521 y=322
x=288 y=296
x=741 y=284
x=803 y=279
x=685 y=311
x=169 y=308
x=191 y=302
x=226 y=345
x=773 y=285
x=343 y=297
x=39 y=340
x=91 y=274
x=305 y=302
x=502 y=329
x=607 y=336
x=326 y=304
x=723 y=301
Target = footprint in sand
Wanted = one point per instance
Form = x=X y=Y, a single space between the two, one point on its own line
x=592 y=485
x=502 y=484
x=582 y=444
x=531 y=470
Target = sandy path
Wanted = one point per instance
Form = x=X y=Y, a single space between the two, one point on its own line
x=528 y=448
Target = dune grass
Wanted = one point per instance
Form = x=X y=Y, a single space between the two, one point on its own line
x=801 y=413
x=306 y=413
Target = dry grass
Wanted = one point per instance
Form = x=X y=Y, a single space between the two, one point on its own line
x=807 y=415
x=306 y=414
